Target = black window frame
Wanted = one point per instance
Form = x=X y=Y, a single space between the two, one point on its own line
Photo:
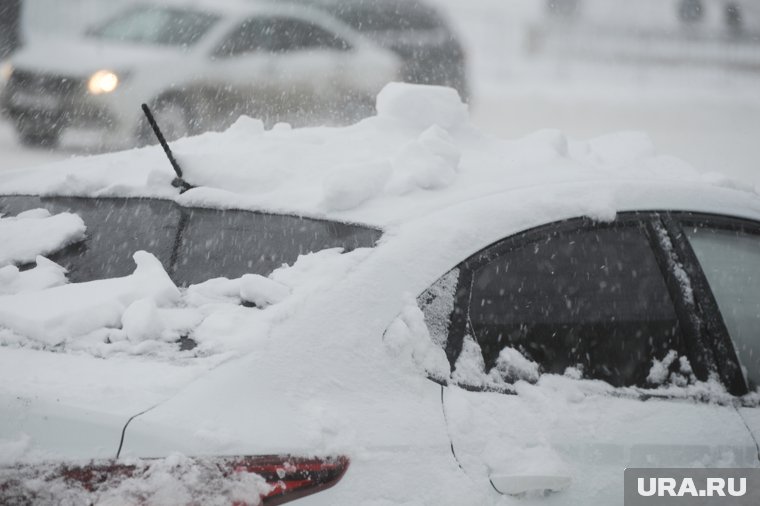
x=726 y=358
x=708 y=345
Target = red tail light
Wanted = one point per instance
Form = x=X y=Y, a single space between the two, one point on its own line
x=292 y=478
x=275 y=479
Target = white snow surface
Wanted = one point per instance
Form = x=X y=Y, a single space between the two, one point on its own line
x=36 y=232
x=307 y=370
x=418 y=154
x=45 y=274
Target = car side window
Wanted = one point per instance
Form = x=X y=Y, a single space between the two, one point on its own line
x=592 y=298
x=296 y=35
x=278 y=35
x=730 y=260
x=252 y=35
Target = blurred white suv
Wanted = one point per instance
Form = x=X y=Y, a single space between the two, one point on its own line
x=200 y=68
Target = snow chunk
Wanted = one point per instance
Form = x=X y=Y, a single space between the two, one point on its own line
x=36 y=232
x=408 y=337
x=349 y=186
x=262 y=291
x=431 y=162
x=214 y=291
x=662 y=371
x=46 y=274
x=245 y=126
x=470 y=368
x=141 y=321
x=64 y=312
x=513 y=366
x=422 y=106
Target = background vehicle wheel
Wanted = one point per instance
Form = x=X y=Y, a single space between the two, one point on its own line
x=38 y=135
x=733 y=18
x=691 y=11
x=173 y=118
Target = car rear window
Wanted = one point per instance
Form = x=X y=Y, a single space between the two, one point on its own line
x=193 y=244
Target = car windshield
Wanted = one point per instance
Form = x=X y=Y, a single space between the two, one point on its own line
x=193 y=244
x=166 y=26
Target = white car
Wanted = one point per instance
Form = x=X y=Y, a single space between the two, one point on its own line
x=200 y=66
x=514 y=322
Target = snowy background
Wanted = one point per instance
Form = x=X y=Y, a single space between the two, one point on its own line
x=614 y=66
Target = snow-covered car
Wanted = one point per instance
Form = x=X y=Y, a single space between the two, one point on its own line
x=508 y=321
x=201 y=65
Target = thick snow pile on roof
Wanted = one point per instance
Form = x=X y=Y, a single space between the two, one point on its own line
x=36 y=232
x=418 y=154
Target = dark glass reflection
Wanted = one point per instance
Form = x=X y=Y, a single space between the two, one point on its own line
x=193 y=244
x=594 y=298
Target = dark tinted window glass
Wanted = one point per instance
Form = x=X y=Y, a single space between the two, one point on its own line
x=293 y=35
x=593 y=298
x=730 y=259
x=116 y=228
x=253 y=35
x=157 y=25
x=279 y=35
x=372 y=16
x=240 y=242
x=193 y=244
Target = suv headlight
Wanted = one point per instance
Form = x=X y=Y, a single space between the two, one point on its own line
x=103 y=81
x=6 y=69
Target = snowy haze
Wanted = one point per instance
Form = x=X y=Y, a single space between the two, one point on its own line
x=700 y=103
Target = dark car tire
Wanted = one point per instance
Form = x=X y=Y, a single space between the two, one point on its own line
x=691 y=11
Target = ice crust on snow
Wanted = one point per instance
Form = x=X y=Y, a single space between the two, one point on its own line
x=437 y=304
x=32 y=233
x=408 y=339
x=417 y=155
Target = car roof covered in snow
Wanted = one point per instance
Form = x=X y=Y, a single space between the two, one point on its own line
x=418 y=155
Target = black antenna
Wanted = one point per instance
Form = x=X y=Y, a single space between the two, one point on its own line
x=178 y=182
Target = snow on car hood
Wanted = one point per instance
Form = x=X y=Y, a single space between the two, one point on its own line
x=82 y=57
x=418 y=154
